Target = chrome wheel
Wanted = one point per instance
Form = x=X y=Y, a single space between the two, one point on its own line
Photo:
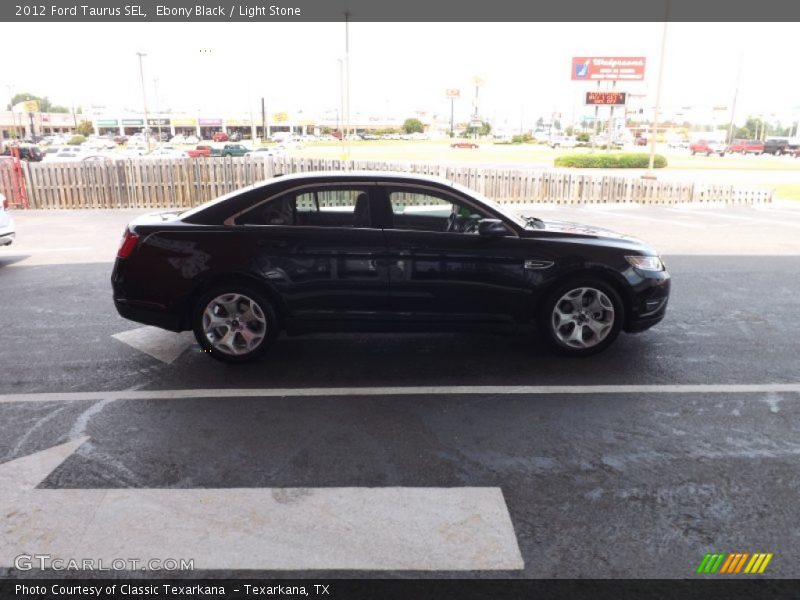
x=583 y=317
x=234 y=324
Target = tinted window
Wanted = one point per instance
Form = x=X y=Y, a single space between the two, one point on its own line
x=423 y=211
x=320 y=207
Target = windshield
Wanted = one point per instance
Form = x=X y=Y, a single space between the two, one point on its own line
x=511 y=216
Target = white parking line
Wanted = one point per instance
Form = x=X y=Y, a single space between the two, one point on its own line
x=390 y=528
x=700 y=388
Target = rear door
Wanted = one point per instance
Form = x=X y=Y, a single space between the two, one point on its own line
x=317 y=246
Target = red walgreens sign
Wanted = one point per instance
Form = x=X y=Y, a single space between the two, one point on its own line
x=608 y=68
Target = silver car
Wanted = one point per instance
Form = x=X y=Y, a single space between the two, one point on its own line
x=7 y=232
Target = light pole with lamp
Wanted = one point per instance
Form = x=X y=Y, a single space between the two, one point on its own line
x=144 y=98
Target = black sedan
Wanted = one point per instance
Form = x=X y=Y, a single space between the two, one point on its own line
x=379 y=252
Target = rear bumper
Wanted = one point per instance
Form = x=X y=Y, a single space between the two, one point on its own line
x=7 y=238
x=148 y=314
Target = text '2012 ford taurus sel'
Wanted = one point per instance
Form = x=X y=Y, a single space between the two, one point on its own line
x=379 y=252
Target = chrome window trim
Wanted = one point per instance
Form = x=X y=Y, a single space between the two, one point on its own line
x=471 y=201
x=231 y=221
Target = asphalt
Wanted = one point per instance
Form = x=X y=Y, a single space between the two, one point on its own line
x=629 y=484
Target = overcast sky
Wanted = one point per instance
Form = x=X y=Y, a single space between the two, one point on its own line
x=397 y=68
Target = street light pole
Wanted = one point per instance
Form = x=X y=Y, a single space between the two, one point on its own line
x=347 y=81
x=650 y=174
x=144 y=98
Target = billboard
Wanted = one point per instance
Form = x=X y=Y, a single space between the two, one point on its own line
x=608 y=68
x=605 y=98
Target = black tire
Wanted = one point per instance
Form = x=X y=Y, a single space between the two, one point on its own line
x=546 y=318
x=271 y=327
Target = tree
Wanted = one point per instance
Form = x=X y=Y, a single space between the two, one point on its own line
x=413 y=126
x=84 y=128
x=44 y=102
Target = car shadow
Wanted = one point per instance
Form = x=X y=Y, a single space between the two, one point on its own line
x=6 y=261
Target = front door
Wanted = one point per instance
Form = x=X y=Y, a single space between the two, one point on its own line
x=441 y=269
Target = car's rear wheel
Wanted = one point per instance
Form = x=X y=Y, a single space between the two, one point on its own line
x=583 y=317
x=234 y=323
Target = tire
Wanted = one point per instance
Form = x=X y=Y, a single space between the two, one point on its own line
x=219 y=303
x=563 y=301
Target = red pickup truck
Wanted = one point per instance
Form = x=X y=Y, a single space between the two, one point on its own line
x=746 y=146
x=707 y=147
x=199 y=152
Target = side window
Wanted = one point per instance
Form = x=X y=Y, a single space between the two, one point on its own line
x=322 y=207
x=419 y=210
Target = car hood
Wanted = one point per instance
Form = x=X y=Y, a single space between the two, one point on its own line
x=568 y=229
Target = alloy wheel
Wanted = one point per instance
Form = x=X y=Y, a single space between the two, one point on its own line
x=234 y=324
x=583 y=317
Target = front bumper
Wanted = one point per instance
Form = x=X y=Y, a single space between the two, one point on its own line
x=649 y=303
x=7 y=238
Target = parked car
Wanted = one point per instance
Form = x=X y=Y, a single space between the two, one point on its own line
x=268 y=151
x=120 y=139
x=27 y=152
x=640 y=141
x=229 y=150
x=746 y=146
x=167 y=153
x=776 y=146
x=65 y=153
x=219 y=136
x=379 y=251
x=7 y=230
x=191 y=139
x=199 y=151
x=562 y=141
x=178 y=139
x=708 y=147
x=464 y=145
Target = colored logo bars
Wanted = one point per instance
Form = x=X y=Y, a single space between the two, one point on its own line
x=734 y=563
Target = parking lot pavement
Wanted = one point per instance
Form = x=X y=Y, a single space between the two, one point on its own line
x=602 y=467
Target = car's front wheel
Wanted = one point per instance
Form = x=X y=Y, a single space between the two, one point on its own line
x=234 y=323
x=583 y=317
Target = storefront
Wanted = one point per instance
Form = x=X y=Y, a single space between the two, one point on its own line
x=107 y=127
x=160 y=128
x=242 y=127
x=208 y=127
x=131 y=126
x=184 y=126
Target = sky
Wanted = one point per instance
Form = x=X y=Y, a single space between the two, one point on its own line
x=399 y=68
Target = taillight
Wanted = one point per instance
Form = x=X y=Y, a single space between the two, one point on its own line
x=128 y=243
x=5 y=202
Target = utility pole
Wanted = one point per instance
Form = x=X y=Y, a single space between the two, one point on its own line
x=158 y=109
x=650 y=174
x=144 y=98
x=264 y=119
x=735 y=95
x=347 y=81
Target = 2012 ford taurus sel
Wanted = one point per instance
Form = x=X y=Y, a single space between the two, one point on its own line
x=379 y=252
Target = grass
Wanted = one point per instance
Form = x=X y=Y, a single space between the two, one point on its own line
x=788 y=191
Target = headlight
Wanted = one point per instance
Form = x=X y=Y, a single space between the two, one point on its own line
x=646 y=263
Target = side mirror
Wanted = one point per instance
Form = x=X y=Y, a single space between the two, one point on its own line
x=492 y=228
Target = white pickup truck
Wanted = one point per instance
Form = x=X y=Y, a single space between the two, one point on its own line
x=562 y=141
x=6 y=223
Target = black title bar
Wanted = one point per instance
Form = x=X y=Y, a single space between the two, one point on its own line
x=405 y=11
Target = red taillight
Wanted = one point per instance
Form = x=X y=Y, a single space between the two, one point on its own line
x=127 y=244
x=5 y=202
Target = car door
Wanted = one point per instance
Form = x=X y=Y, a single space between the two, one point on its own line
x=317 y=247
x=446 y=275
